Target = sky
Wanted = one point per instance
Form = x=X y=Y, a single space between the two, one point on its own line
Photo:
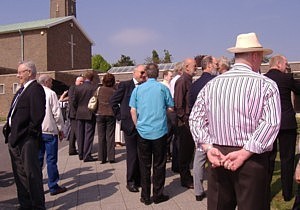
x=185 y=28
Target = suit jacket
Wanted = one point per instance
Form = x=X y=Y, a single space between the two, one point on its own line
x=120 y=105
x=71 y=109
x=286 y=84
x=28 y=115
x=83 y=93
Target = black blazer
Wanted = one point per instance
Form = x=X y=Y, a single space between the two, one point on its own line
x=29 y=113
x=71 y=110
x=120 y=105
x=286 y=84
x=83 y=93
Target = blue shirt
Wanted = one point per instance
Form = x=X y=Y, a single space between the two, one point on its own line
x=151 y=100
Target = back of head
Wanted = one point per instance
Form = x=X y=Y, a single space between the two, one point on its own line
x=89 y=75
x=152 y=70
x=205 y=61
x=108 y=80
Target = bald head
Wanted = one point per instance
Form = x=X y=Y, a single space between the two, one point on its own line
x=79 y=80
x=190 y=66
x=139 y=73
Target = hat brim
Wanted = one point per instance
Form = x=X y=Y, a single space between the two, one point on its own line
x=252 y=49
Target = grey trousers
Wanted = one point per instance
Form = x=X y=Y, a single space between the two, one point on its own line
x=198 y=167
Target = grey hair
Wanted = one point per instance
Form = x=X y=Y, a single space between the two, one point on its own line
x=43 y=78
x=223 y=61
x=178 y=67
x=30 y=66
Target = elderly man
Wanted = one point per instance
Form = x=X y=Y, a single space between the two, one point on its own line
x=235 y=120
x=182 y=108
x=51 y=131
x=149 y=103
x=120 y=105
x=209 y=68
x=24 y=136
x=288 y=129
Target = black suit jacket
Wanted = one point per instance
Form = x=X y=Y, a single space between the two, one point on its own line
x=120 y=105
x=71 y=95
x=286 y=84
x=83 y=93
x=28 y=115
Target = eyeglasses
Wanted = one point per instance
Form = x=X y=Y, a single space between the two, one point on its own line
x=21 y=72
x=142 y=72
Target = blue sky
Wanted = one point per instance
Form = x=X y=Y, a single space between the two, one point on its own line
x=185 y=28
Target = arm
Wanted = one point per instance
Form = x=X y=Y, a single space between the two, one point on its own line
x=57 y=114
x=179 y=98
x=133 y=115
x=116 y=100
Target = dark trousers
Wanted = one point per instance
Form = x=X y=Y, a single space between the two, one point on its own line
x=106 y=137
x=85 y=134
x=133 y=175
x=186 y=154
x=246 y=188
x=287 y=143
x=156 y=150
x=72 y=136
x=173 y=144
x=28 y=174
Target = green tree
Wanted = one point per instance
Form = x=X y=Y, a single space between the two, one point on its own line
x=155 y=57
x=124 y=61
x=167 y=57
x=98 y=62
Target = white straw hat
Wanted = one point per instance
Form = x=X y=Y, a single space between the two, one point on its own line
x=248 y=43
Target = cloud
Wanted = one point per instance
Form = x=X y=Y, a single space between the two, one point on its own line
x=134 y=37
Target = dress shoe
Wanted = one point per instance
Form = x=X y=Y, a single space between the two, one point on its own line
x=73 y=153
x=188 y=185
x=103 y=162
x=146 y=201
x=80 y=157
x=161 y=198
x=112 y=161
x=89 y=159
x=200 y=197
x=132 y=188
x=58 y=190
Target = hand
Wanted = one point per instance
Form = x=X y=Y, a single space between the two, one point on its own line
x=234 y=160
x=297 y=173
x=215 y=157
x=61 y=135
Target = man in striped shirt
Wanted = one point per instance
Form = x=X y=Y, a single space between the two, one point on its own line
x=235 y=120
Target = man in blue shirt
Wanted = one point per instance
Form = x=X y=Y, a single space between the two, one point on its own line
x=149 y=104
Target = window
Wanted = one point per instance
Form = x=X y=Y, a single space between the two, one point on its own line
x=2 y=89
x=15 y=88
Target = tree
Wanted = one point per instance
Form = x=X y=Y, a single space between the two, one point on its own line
x=98 y=62
x=124 y=61
x=167 y=58
x=155 y=57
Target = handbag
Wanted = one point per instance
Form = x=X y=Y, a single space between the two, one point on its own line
x=93 y=102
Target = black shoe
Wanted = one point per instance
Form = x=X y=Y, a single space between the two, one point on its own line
x=132 y=188
x=146 y=201
x=112 y=161
x=73 y=153
x=89 y=159
x=103 y=162
x=80 y=157
x=188 y=185
x=59 y=190
x=161 y=198
x=200 y=197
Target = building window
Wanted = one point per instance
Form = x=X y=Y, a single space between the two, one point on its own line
x=2 y=89
x=15 y=87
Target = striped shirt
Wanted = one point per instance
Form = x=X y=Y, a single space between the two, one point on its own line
x=239 y=108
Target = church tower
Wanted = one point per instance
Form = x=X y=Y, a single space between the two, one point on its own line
x=62 y=8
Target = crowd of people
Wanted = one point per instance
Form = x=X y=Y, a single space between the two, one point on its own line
x=227 y=124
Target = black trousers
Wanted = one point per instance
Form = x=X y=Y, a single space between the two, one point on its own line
x=106 y=137
x=156 y=150
x=186 y=154
x=28 y=174
x=246 y=188
x=133 y=175
x=85 y=134
x=72 y=135
x=287 y=143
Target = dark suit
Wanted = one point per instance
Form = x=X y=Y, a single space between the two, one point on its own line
x=72 y=118
x=23 y=144
x=120 y=105
x=86 y=120
x=287 y=133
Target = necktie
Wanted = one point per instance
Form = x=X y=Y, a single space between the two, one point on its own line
x=15 y=100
